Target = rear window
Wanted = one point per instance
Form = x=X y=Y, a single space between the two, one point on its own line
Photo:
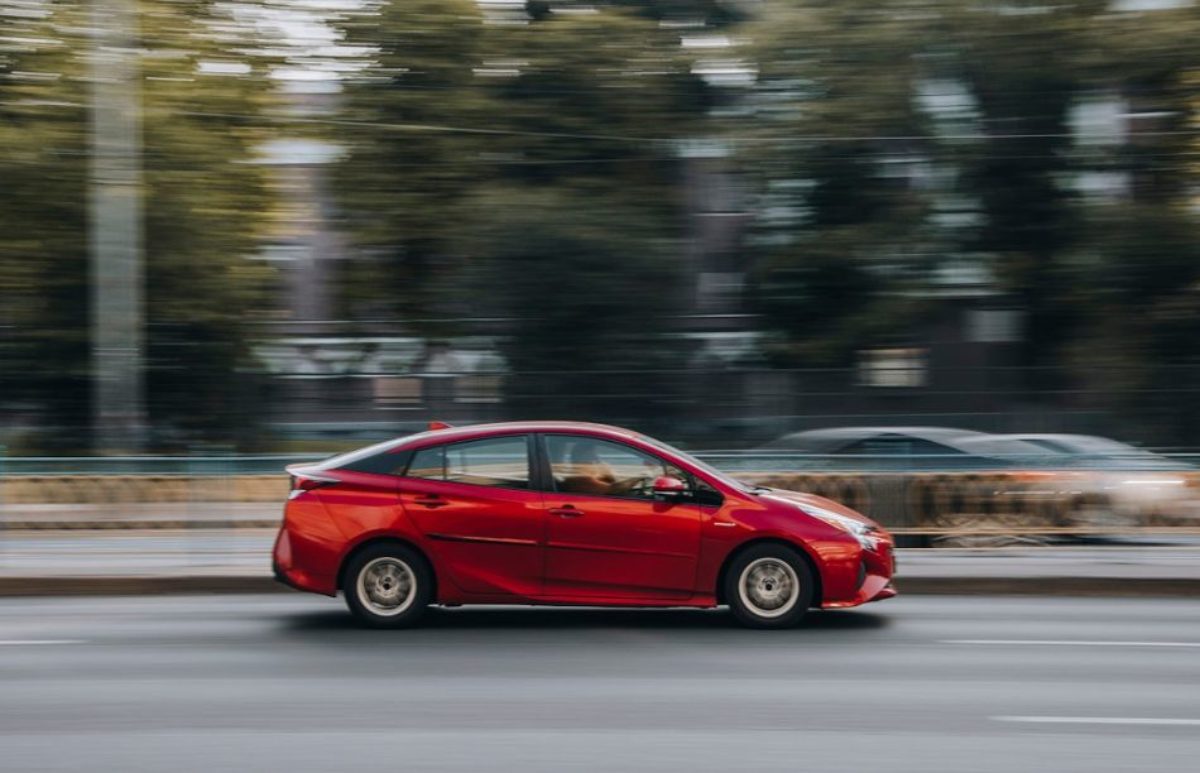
x=386 y=463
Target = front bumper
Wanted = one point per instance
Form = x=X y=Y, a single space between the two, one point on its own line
x=875 y=572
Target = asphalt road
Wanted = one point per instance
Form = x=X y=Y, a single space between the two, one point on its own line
x=264 y=683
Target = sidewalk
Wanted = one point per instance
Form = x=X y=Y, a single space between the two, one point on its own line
x=232 y=560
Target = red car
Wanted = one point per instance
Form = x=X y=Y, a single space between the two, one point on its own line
x=570 y=514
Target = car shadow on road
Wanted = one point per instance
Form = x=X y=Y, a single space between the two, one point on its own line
x=552 y=618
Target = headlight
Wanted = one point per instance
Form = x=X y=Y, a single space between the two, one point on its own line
x=863 y=532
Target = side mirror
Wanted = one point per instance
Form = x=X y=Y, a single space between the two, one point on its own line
x=667 y=487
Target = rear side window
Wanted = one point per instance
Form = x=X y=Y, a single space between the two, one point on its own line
x=502 y=462
x=385 y=463
x=360 y=456
x=429 y=463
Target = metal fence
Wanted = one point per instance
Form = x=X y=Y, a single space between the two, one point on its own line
x=732 y=406
x=731 y=460
x=929 y=495
x=742 y=406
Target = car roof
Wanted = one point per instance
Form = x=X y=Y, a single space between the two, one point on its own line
x=449 y=434
x=469 y=431
x=1084 y=443
x=1058 y=436
x=834 y=437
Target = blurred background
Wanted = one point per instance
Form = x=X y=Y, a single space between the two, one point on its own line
x=938 y=260
x=294 y=226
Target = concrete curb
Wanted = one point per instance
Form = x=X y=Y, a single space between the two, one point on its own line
x=137 y=586
x=1050 y=586
x=917 y=586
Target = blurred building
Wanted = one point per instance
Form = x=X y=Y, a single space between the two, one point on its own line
x=304 y=246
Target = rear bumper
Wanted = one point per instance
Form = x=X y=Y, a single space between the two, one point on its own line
x=282 y=577
x=285 y=570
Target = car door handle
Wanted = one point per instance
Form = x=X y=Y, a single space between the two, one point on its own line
x=566 y=511
x=430 y=501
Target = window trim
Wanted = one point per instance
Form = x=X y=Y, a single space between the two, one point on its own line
x=530 y=461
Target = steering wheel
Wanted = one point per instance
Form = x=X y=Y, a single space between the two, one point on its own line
x=643 y=486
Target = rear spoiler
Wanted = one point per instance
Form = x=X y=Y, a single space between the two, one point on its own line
x=307 y=470
x=306 y=477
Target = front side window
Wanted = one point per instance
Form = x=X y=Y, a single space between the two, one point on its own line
x=584 y=465
x=501 y=461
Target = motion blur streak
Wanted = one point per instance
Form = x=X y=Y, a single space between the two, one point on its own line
x=312 y=224
x=1040 y=643
x=934 y=260
x=1099 y=721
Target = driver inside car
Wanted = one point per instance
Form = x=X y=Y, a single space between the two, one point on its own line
x=585 y=473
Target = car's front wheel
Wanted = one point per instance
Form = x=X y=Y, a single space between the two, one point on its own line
x=769 y=586
x=388 y=586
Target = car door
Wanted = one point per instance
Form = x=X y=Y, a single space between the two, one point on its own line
x=475 y=504
x=607 y=536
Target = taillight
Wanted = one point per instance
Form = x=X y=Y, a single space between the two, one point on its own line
x=303 y=483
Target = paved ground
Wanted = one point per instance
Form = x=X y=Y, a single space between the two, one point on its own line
x=286 y=683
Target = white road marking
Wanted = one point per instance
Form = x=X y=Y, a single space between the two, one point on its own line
x=1072 y=643
x=1100 y=720
x=20 y=642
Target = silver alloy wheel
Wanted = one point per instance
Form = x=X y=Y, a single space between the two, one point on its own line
x=386 y=586
x=769 y=587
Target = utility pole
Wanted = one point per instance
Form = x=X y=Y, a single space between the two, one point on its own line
x=115 y=230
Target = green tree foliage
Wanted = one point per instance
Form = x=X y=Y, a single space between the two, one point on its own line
x=411 y=124
x=207 y=208
x=839 y=102
x=1138 y=297
x=587 y=283
x=43 y=238
x=835 y=147
x=205 y=205
x=1135 y=274
x=1025 y=65
x=453 y=110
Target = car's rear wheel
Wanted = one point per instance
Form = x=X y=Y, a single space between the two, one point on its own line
x=769 y=586
x=388 y=586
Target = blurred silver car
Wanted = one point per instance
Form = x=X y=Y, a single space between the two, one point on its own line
x=1118 y=485
x=900 y=449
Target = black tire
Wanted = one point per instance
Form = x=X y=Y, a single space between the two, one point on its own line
x=768 y=557
x=407 y=575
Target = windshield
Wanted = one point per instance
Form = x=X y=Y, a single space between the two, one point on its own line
x=703 y=466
